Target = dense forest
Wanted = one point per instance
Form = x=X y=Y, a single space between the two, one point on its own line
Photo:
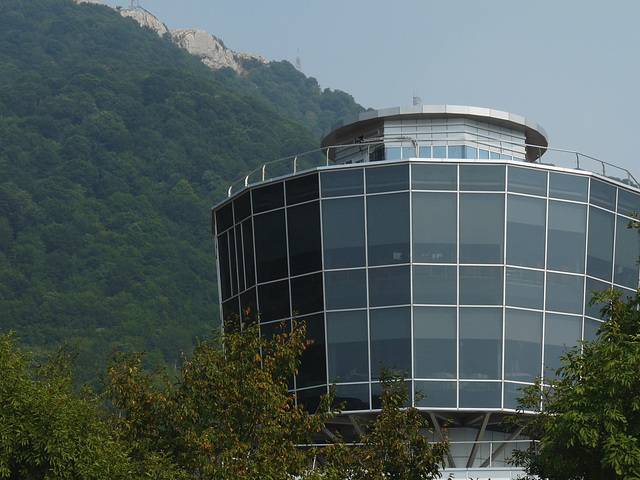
x=114 y=145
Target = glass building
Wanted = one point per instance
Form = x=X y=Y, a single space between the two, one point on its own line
x=434 y=240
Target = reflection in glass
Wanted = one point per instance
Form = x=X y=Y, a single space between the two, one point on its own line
x=481 y=228
x=434 y=176
x=242 y=207
x=390 y=340
x=525 y=288
x=302 y=189
x=591 y=328
x=435 y=284
x=346 y=289
x=600 y=251
x=528 y=180
x=481 y=343
x=387 y=179
x=628 y=202
x=561 y=333
x=273 y=301
x=482 y=177
x=598 y=286
x=603 y=194
x=523 y=345
x=569 y=187
x=312 y=370
x=268 y=197
x=526 y=224
x=434 y=227
x=389 y=286
x=355 y=397
x=627 y=254
x=342 y=182
x=565 y=293
x=271 y=246
x=435 y=349
x=303 y=223
x=343 y=232
x=388 y=228
x=347 y=341
x=567 y=233
x=481 y=285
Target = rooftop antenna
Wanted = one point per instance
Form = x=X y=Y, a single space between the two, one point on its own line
x=134 y=5
x=298 y=64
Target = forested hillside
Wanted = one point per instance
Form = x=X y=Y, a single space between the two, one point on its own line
x=114 y=145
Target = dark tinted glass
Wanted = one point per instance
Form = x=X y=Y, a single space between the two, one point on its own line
x=481 y=343
x=230 y=310
x=435 y=342
x=306 y=294
x=525 y=288
x=268 y=197
x=523 y=345
x=435 y=284
x=526 y=225
x=434 y=176
x=305 y=253
x=312 y=370
x=387 y=179
x=223 y=266
x=233 y=263
x=302 y=189
x=434 y=245
x=389 y=286
x=388 y=228
x=343 y=232
x=242 y=207
x=603 y=194
x=628 y=202
x=247 y=245
x=310 y=398
x=482 y=177
x=271 y=246
x=480 y=394
x=566 y=240
x=570 y=187
x=354 y=397
x=528 y=180
x=224 y=218
x=481 y=285
x=627 y=254
x=342 y=182
x=274 y=301
x=249 y=304
x=561 y=333
x=438 y=394
x=348 y=346
x=239 y=255
x=390 y=340
x=481 y=228
x=565 y=293
x=594 y=285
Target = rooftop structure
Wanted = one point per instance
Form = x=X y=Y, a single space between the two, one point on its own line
x=435 y=240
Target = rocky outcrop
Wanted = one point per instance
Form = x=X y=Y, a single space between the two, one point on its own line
x=208 y=48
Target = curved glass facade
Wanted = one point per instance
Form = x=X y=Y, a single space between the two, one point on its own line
x=472 y=276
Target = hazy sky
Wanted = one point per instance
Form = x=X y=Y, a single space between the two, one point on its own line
x=571 y=66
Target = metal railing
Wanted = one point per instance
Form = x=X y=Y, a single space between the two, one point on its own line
x=321 y=157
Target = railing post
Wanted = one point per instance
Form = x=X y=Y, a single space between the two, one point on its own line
x=577 y=160
x=295 y=164
x=328 y=156
x=229 y=191
x=264 y=168
x=603 y=168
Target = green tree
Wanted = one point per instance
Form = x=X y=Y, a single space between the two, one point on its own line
x=588 y=422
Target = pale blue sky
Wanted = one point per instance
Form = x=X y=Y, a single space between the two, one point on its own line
x=571 y=66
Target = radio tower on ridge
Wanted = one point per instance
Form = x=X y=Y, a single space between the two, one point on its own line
x=298 y=64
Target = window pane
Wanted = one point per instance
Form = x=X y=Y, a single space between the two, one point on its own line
x=594 y=285
x=271 y=246
x=603 y=194
x=565 y=293
x=528 y=180
x=388 y=228
x=304 y=238
x=566 y=241
x=389 y=286
x=481 y=343
x=268 y=197
x=482 y=177
x=224 y=265
x=627 y=254
x=591 y=328
x=569 y=187
x=342 y=182
x=561 y=333
x=247 y=246
x=526 y=224
x=348 y=340
x=481 y=285
x=312 y=370
x=224 y=218
x=430 y=244
x=386 y=179
x=306 y=294
x=435 y=284
x=435 y=337
x=274 y=301
x=455 y=151
x=525 y=288
x=242 y=207
x=481 y=228
x=355 y=397
x=302 y=189
x=434 y=176
x=512 y=392
x=480 y=395
x=343 y=232
x=390 y=340
x=628 y=202
x=523 y=345
x=600 y=251
x=440 y=152
x=346 y=289
x=437 y=394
